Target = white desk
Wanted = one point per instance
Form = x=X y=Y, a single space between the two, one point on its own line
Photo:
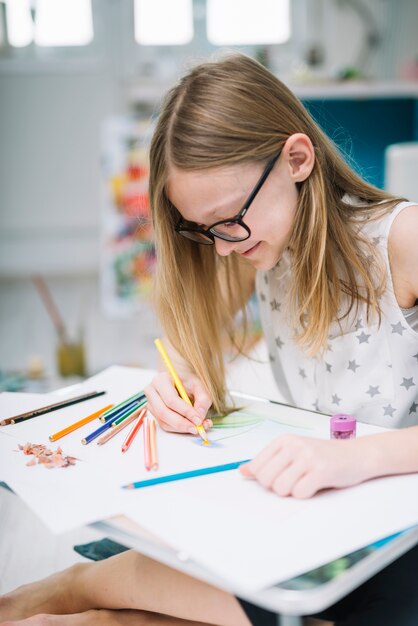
x=289 y=604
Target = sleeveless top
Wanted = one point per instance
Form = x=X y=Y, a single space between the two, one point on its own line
x=368 y=370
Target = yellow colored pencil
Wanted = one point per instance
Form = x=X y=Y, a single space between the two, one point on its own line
x=79 y=424
x=178 y=384
x=153 y=445
x=116 y=429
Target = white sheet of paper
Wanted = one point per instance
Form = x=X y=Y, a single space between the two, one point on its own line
x=252 y=539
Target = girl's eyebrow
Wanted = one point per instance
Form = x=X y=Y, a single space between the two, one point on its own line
x=228 y=209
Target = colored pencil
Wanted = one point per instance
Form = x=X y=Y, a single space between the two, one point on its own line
x=96 y=433
x=182 y=475
x=73 y=427
x=121 y=413
x=112 y=415
x=153 y=445
x=136 y=396
x=178 y=384
x=120 y=419
x=51 y=407
x=147 y=449
x=129 y=439
x=116 y=429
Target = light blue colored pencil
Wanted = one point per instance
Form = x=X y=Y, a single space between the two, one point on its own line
x=171 y=477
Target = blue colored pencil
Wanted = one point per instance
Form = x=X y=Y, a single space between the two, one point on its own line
x=116 y=414
x=97 y=433
x=171 y=477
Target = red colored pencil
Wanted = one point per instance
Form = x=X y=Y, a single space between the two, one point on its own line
x=134 y=430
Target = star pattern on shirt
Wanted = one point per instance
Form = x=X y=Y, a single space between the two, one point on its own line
x=266 y=279
x=302 y=372
x=407 y=383
x=376 y=241
x=262 y=297
x=352 y=365
x=316 y=406
x=398 y=328
x=336 y=399
x=363 y=337
x=388 y=410
x=279 y=343
x=275 y=306
x=271 y=358
x=328 y=367
x=373 y=391
x=413 y=408
x=415 y=356
x=359 y=324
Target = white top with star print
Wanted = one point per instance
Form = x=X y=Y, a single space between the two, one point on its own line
x=368 y=370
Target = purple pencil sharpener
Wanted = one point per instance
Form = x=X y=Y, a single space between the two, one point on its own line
x=343 y=426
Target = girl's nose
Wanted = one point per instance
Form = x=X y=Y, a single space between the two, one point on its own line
x=223 y=248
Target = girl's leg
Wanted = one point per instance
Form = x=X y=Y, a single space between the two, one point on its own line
x=104 y=617
x=125 y=581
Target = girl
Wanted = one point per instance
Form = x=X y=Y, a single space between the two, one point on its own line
x=246 y=190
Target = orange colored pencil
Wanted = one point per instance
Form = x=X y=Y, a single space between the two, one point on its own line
x=116 y=429
x=153 y=445
x=147 y=448
x=72 y=427
x=134 y=430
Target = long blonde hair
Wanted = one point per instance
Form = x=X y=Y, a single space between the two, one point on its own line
x=234 y=111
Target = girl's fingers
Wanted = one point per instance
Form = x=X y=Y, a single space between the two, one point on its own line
x=167 y=418
x=202 y=400
x=267 y=473
x=163 y=386
x=263 y=457
x=285 y=481
x=306 y=486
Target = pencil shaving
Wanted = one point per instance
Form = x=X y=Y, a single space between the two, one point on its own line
x=46 y=457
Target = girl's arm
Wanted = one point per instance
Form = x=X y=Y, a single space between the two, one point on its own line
x=301 y=466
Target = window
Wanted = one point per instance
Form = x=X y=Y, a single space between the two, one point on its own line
x=49 y=22
x=163 y=22
x=247 y=22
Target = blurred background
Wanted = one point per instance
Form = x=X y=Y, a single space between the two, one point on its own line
x=80 y=85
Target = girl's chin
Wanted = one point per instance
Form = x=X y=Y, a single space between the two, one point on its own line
x=262 y=258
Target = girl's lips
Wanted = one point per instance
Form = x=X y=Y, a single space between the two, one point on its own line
x=251 y=250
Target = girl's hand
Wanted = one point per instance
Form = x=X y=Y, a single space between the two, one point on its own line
x=174 y=414
x=300 y=466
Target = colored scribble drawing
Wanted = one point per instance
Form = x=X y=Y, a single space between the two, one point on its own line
x=237 y=419
x=46 y=457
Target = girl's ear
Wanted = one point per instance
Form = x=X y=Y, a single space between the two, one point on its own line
x=300 y=155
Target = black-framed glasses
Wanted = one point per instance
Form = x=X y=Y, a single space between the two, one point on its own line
x=233 y=229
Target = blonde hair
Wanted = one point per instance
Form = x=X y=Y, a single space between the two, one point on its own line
x=234 y=111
